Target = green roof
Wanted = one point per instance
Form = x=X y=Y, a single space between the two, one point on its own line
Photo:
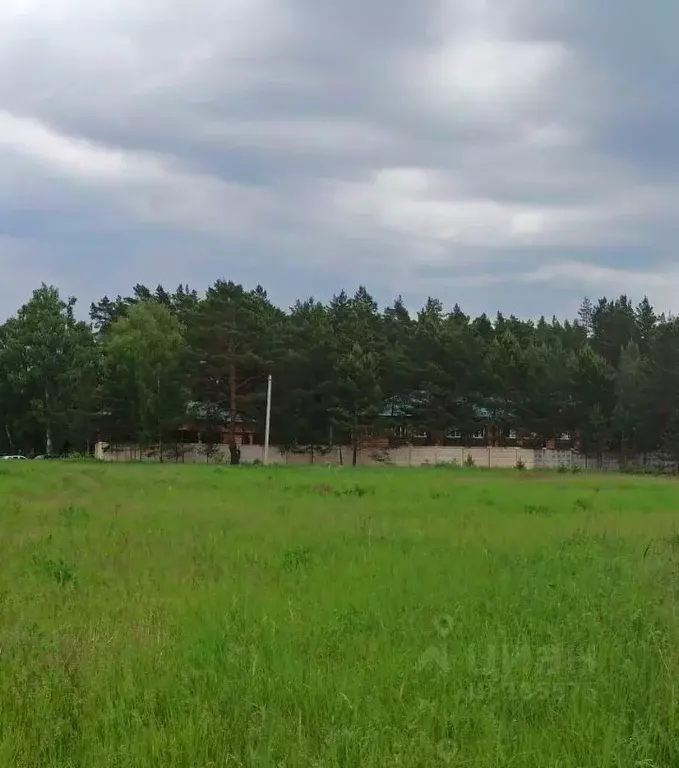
x=209 y=412
x=402 y=407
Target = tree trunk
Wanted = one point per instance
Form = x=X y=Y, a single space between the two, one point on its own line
x=354 y=441
x=233 y=448
x=48 y=431
x=234 y=452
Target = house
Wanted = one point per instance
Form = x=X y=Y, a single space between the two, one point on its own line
x=210 y=423
x=203 y=424
x=490 y=424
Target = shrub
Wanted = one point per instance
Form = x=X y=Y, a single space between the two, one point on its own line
x=538 y=509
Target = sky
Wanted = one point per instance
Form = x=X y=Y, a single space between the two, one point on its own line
x=511 y=155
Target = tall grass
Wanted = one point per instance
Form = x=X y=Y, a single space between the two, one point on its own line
x=199 y=616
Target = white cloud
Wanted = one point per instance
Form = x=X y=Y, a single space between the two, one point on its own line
x=598 y=277
x=149 y=186
x=75 y=158
x=425 y=205
x=661 y=284
x=490 y=70
x=551 y=134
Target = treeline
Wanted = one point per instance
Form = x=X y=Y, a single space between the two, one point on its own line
x=147 y=363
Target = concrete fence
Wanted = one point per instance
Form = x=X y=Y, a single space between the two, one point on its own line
x=406 y=456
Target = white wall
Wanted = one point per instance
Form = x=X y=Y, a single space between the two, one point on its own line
x=407 y=456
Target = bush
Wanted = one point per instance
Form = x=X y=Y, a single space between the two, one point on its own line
x=380 y=457
x=521 y=465
x=469 y=461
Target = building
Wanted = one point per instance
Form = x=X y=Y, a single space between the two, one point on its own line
x=493 y=424
x=210 y=423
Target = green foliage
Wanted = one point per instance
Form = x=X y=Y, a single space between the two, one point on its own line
x=49 y=369
x=354 y=393
x=234 y=337
x=144 y=372
x=344 y=372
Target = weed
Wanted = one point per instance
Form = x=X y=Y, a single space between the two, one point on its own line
x=356 y=490
x=365 y=524
x=56 y=569
x=294 y=559
x=538 y=509
x=72 y=515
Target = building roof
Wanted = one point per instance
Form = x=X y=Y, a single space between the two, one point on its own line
x=210 y=412
x=404 y=407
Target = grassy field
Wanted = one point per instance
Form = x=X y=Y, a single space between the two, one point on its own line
x=204 y=616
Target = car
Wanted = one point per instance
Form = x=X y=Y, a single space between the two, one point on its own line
x=9 y=458
x=46 y=456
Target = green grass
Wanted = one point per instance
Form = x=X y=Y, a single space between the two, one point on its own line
x=202 y=616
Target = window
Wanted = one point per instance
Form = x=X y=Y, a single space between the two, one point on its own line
x=454 y=434
x=565 y=436
x=419 y=433
x=479 y=434
x=511 y=434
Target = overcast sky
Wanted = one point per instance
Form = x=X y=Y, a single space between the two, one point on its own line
x=502 y=154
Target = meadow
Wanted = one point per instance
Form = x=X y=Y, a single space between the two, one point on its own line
x=195 y=617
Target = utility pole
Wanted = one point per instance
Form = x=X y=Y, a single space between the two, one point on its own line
x=267 y=427
x=160 y=431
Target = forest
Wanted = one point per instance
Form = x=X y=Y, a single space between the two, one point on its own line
x=144 y=365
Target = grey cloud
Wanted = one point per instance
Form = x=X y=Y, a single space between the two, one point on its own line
x=264 y=127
